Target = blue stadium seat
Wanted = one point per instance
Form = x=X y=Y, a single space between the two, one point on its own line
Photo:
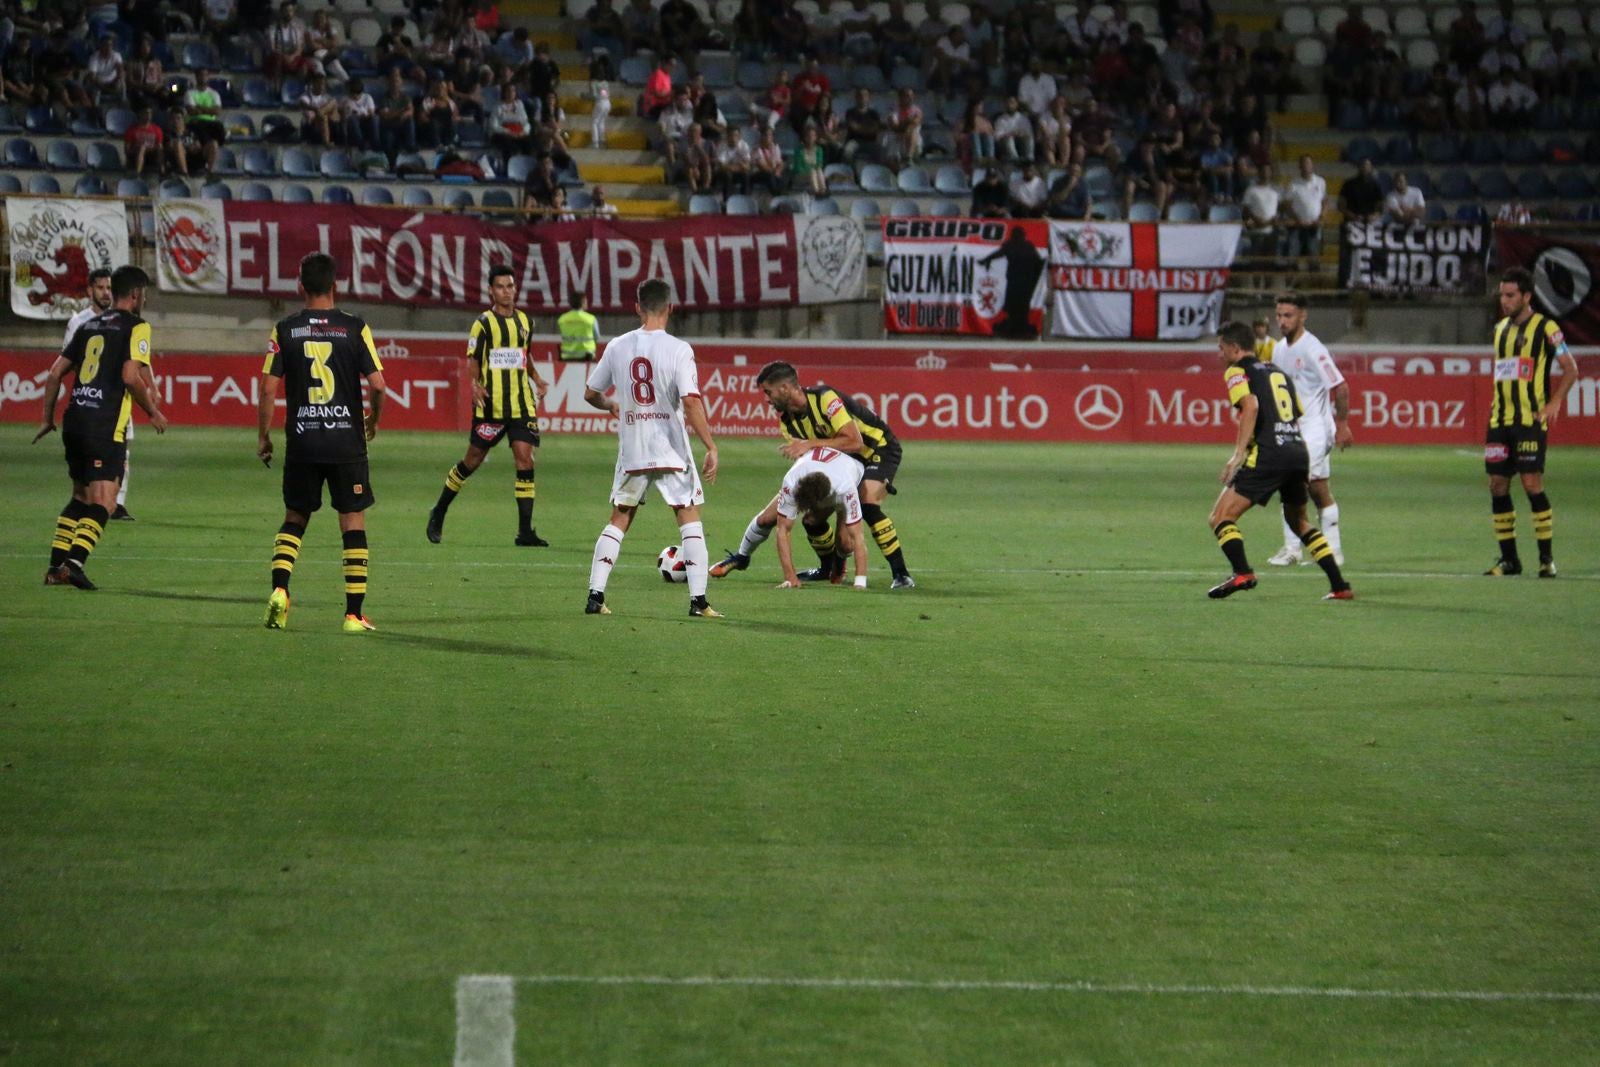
x=1350 y=115
x=1097 y=182
x=1471 y=213
x=704 y=204
x=951 y=180
x=174 y=187
x=823 y=205
x=338 y=194
x=581 y=200
x=868 y=76
x=1454 y=184
x=357 y=62
x=197 y=54
x=1483 y=149
x=786 y=205
x=216 y=191
x=1493 y=184
x=1552 y=115
x=414 y=166
x=335 y=163
x=1435 y=212
x=864 y=208
x=258 y=161
x=90 y=185
x=128 y=187
x=41 y=120
x=1105 y=210
x=634 y=70
x=279 y=129
x=1398 y=151
x=459 y=198
x=21 y=154
x=840 y=177
x=470 y=134
x=1441 y=150
x=292 y=90
x=376 y=195
x=297 y=163
x=905 y=76
x=43 y=184
x=416 y=196
x=297 y=194
x=240 y=127
x=1361 y=148
x=237 y=58
x=739 y=204
x=1224 y=213
x=1183 y=211
x=1533 y=185
x=103 y=156
x=255 y=191
x=905 y=207
x=1144 y=211
x=10 y=183
x=257 y=93
x=82 y=127
x=1521 y=151
x=519 y=167
x=877 y=178
x=718 y=70
x=1421 y=180
x=10 y=119
x=914 y=179
x=498 y=198
x=752 y=74
x=1573 y=185
x=63 y=155
x=944 y=209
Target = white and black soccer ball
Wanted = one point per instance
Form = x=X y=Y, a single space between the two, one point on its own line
x=671 y=564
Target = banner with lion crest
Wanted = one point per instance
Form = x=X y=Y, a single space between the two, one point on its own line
x=55 y=243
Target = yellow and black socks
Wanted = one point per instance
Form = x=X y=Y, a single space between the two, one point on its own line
x=1544 y=525
x=285 y=550
x=1231 y=541
x=355 y=570
x=87 y=533
x=454 y=479
x=1322 y=554
x=822 y=540
x=526 y=491
x=1505 y=526
x=66 y=529
x=883 y=532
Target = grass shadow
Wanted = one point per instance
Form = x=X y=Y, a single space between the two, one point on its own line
x=206 y=598
x=461 y=647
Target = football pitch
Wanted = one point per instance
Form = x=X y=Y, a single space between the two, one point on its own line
x=1052 y=806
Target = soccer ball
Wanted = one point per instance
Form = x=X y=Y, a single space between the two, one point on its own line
x=671 y=564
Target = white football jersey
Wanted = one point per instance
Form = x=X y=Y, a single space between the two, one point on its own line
x=652 y=372
x=844 y=474
x=1314 y=375
x=78 y=319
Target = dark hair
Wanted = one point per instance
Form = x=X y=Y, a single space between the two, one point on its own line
x=1239 y=335
x=316 y=274
x=501 y=270
x=1292 y=296
x=98 y=273
x=1519 y=277
x=124 y=280
x=575 y=300
x=655 y=296
x=777 y=372
x=813 y=493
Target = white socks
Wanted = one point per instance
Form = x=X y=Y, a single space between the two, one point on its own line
x=1328 y=522
x=754 y=536
x=122 y=490
x=695 y=557
x=606 y=551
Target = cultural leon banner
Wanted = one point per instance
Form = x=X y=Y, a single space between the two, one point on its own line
x=55 y=243
x=1432 y=257
x=1565 y=273
x=978 y=276
x=1139 y=280
x=395 y=256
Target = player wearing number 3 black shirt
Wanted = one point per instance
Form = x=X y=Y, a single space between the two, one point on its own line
x=318 y=357
x=1269 y=456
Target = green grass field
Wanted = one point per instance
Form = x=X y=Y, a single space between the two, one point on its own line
x=1055 y=762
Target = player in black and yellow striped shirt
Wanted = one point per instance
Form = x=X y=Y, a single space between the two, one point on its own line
x=505 y=393
x=1527 y=346
x=822 y=415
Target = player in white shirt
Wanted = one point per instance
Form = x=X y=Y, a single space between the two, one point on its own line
x=1326 y=423
x=99 y=304
x=823 y=484
x=657 y=393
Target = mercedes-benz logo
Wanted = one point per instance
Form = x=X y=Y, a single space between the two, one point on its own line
x=1561 y=281
x=1099 y=407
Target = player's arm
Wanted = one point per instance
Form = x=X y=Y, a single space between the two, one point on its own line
x=1249 y=410
x=791 y=580
x=1569 y=374
x=52 y=393
x=694 y=412
x=846 y=436
x=375 y=394
x=270 y=384
x=850 y=534
x=596 y=399
x=1343 y=436
x=477 y=342
x=134 y=376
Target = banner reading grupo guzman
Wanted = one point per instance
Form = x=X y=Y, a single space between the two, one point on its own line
x=54 y=245
x=392 y=255
x=1433 y=257
x=1566 y=277
x=978 y=276
x=1139 y=280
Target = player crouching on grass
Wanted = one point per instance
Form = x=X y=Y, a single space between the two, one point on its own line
x=1269 y=456
x=821 y=485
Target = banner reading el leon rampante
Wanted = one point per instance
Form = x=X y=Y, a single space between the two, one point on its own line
x=390 y=255
x=1432 y=257
x=1142 y=281
x=978 y=276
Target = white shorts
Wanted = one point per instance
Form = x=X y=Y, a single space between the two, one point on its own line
x=1319 y=446
x=680 y=489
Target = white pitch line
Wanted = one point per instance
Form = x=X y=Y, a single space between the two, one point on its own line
x=1021 y=986
x=486 y=1025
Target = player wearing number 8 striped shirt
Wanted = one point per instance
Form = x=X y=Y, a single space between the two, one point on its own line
x=822 y=486
x=1269 y=457
x=656 y=404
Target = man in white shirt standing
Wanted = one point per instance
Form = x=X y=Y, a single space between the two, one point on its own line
x=1326 y=398
x=657 y=393
x=100 y=303
x=1304 y=201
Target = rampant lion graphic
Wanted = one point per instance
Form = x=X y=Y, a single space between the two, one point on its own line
x=69 y=283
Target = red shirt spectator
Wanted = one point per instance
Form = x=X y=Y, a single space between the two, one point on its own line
x=657 y=90
x=810 y=87
x=144 y=135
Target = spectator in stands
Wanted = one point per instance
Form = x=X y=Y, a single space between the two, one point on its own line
x=641 y=29
x=1094 y=134
x=58 y=69
x=107 y=74
x=682 y=30
x=863 y=129
x=325 y=40
x=146 y=77
x=1216 y=163
x=470 y=39
x=204 y=106
x=766 y=164
x=1037 y=88
x=1430 y=108
x=438 y=115
x=1110 y=73
x=769 y=109
x=1083 y=31
x=1511 y=103
x=559 y=210
x=858 y=29
x=465 y=87
x=1361 y=197
x=983 y=35
x=539 y=187
x=787 y=32
x=809 y=89
x=143 y=145
x=1028 y=192
x=550 y=133
x=1143 y=178
x=1055 y=135
x=510 y=130
x=950 y=63
x=396 y=51
x=453 y=164
x=602 y=28
x=1260 y=208
x=1013 y=132
x=897 y=38
x=1404 y=204
x=905 y=129
x=1558 y=69
x=1302 y=204
x=674 y=124
x=1270 y=74
x=1500 y=56
x=181 y=142
x=699 y=160
x=750 y=30
x=707 y=113
x=1116 y=26
x=823 y=29
x=1471 y=104
x=733 y=165
x=1504 y=29
x=544 y=73
x=1513 y=213
x=1069 y=196
x=515 y=50
x=657 y=95
x=974 y=136
x=286 y=45
x=397 y=126
x=360 y=116
x=319 y=112
x=486 y=17
x=19 y=81
x=219 y=18
x=830 y=129
x=807 y=163
x=601 y=74
x=1467 y=38
x=599 y=206
x=990 y=197
x=1353 y=32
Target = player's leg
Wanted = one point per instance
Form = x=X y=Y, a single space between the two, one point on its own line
x=695 y=557
x=302 y=496
x=755 y=535
x=1499 y=463
x=350 y=493
x=524 y=449
x=1544 y=523
x=627 y=490
x=120 y=513
x=877 y=483
x=1224 y=525
x=102 y=496
x=484 y=437
x=1315 y=541
x=66 y=529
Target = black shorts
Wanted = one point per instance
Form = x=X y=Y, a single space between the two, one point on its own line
x=1257 y=484
x=1509 y=450
x=94 y=459
x=885 y=467
x=207 y=130
x=486 y=433
x=348 y=487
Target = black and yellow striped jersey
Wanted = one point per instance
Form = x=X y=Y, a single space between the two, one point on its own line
x=498 y=344
x=1524 y=356
x=828 y=412
x=101 y=405
x=1277 y=443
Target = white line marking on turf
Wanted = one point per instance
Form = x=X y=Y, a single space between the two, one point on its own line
x=486 y=1026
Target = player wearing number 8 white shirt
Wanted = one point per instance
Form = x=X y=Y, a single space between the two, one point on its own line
x=1326 y=423
x=822 y=484
x=656 y=403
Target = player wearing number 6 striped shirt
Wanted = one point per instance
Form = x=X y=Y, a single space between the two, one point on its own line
x=505 y=392
x=656 y=404
x=822 y=486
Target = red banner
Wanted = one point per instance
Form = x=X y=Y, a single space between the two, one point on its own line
x=982 y=276
x=1566 y=277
